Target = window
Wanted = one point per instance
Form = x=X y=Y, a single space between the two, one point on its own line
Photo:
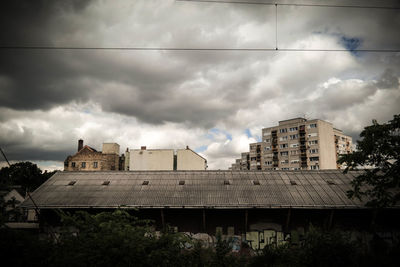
x=267 y=148
x=283 y=146
x=95 y=164
x=283 y=130
x=294 y=161
x=285 y=169
x=253 y=158
x=292 y=129
x=282 y=138
x=106 y=183
x=286 y=161
x=83 y=164
x=294 y=152
x=313 y=125
x=72 y=183
x=285 y=153
x=226 y=182
x=267 y=133
x=181 y=182
x=313 y=142
x=314 y=158
x=268 y=163
x=294 y=145
x=145 y=183
x=256 y=182
x=314 y=167
x=267 y=140
x=313 y=151
x=73 y=164
x=294 y=136
x=312 y=134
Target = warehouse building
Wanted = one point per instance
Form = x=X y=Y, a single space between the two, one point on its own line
x=259 y=208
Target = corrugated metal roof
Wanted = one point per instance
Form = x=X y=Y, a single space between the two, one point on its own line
x=202 y=189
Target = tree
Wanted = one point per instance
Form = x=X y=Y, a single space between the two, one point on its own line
x=378 y=155
x=24 y=174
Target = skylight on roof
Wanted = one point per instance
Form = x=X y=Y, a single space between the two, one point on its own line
x=71 y=182
x=106 y=183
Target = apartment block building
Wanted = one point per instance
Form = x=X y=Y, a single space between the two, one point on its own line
x=299 y=144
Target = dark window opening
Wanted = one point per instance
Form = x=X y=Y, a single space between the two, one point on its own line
x=181 y=182
x=106 y=183
x=256 y=182
x=145 y=183
x=226 y=182
x=72 y=183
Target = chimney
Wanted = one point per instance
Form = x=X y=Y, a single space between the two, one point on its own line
x=187 y=147
x=143 y=148
x=80 y=144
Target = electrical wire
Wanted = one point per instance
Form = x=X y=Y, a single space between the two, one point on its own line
x=195 y=49
x=289 y=4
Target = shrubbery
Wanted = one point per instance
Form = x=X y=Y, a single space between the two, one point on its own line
x=119 y=239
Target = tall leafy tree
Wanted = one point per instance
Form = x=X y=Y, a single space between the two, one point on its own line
x=378 y=155
x=26 y=175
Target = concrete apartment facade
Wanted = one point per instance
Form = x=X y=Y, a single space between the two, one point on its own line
x=89 y=159
x=163 y=160
x=298 y=144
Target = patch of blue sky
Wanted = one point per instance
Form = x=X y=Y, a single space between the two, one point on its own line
x=248 y=133
x=351 y=43
x=200 y=149
x=215 y=131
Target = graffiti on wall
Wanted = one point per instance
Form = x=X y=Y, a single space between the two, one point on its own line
x=259 y=239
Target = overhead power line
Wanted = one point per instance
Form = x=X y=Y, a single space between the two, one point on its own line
x=195 y=49
x=288 y=4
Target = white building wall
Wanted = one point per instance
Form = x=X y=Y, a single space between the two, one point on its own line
x=189 y=160
x=152 y=159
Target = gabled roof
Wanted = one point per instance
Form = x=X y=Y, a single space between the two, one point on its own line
x=91 y=149
x=201 y=189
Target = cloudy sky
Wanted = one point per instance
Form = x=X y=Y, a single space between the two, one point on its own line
x=216 y=102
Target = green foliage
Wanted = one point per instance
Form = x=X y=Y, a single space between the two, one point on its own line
x=26 y=175
x=120 y=239
x=379 y=152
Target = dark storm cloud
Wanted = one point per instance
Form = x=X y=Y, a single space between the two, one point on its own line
x=33 y=79
x=140 y=84
x=50 y=98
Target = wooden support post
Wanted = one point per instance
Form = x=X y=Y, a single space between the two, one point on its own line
x=288 y=219
x=162 y=219
x=330 y=219
x=246 y=220
x=204 y=220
